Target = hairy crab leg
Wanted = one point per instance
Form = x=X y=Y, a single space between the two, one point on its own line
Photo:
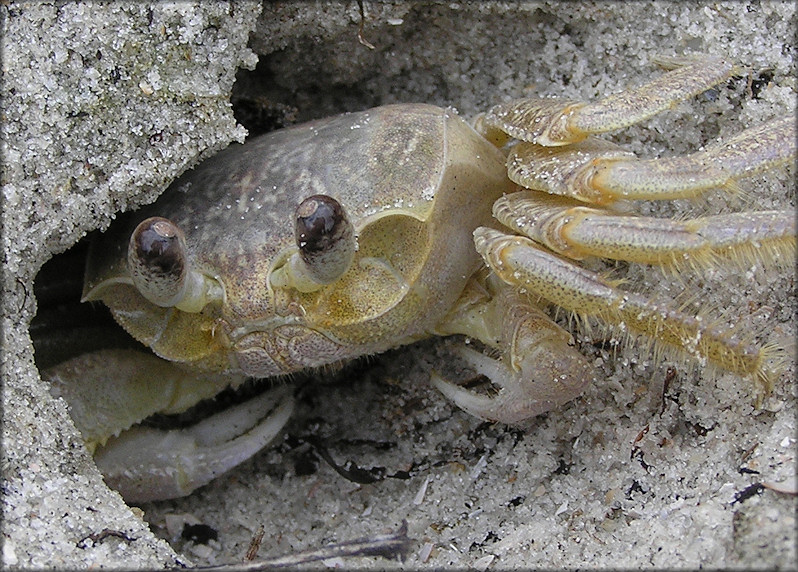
x=577 y=232
x=554 y=122
x=519 y=262
x=599 y=172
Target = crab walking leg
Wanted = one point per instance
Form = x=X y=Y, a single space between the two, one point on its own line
x=754 y=150
x=600 y=172
x=577 y=232
x=120 y=388
x=146 y=464
x=554 y=122
x=518 y=261
x=539 y=368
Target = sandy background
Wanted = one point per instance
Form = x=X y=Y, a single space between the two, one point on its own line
x=103 y=105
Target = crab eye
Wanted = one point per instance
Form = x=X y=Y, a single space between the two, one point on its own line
x=321 y=224
x=156 y=259
x=326 y=242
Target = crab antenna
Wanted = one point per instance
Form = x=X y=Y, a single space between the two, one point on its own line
x=326 y=241
x=158 y=265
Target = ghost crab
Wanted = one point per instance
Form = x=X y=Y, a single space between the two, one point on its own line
x=223 y=286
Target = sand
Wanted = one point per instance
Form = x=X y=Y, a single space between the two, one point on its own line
x=104 y=106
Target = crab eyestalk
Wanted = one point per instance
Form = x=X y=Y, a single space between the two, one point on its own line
x=326 y=244
x=158 y=264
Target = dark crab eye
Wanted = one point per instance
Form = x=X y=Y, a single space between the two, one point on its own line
x=325 y=238
x=157 y=261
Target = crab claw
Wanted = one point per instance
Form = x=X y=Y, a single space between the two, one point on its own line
x=524 y=394
x=539 y=369
x=146 y=464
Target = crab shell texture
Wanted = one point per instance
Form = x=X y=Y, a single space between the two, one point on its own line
x=415 y=180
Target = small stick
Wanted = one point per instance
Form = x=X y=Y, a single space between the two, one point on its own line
x=392 y=545
x=254 y=544
x=360 y=37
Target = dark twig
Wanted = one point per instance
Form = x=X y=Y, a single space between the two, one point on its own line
x=254 y=545
x=393 y=545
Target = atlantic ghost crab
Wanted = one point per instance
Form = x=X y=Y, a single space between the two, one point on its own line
x=407 y=223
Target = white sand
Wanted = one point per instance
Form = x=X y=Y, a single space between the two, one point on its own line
x=576 y=489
